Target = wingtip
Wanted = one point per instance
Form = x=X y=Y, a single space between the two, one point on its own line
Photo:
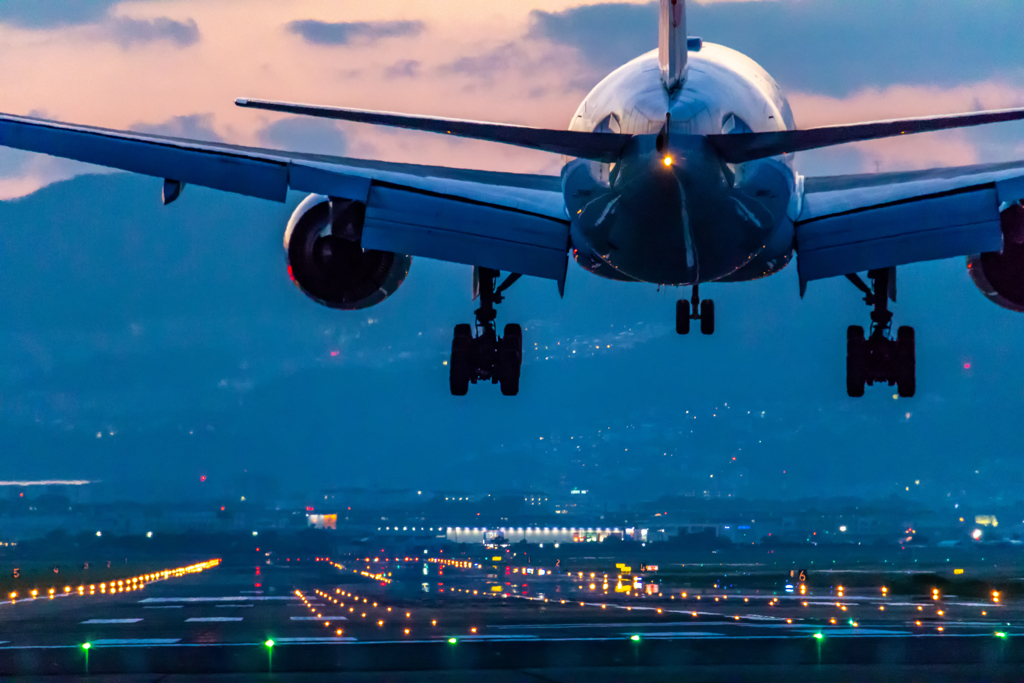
x=242 y=102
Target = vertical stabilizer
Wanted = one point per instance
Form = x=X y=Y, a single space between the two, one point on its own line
x=672 y=43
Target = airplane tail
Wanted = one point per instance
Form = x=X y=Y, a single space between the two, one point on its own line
x=672 y=43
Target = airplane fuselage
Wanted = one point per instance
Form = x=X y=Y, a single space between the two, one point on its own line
x=670 y=211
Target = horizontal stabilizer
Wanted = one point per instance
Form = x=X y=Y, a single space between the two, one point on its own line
x=741 y=147
x=596 y=146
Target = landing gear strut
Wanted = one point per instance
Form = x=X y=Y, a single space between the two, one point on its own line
x=704 y=311
x=486 y=356
x=880 y=357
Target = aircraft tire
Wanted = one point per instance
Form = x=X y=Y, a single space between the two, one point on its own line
x=855 y=361
x=458 y=364
x=707 y=317
x=510 y=359
x=682 y=317
x=906 y=362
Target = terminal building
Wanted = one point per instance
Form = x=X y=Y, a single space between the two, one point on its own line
x=539 y=535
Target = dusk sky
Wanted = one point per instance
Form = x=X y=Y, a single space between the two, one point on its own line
x=120 y=317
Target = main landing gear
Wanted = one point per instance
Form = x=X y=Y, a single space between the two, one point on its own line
x=706 y=314
x=880 y=358
x=486 y=357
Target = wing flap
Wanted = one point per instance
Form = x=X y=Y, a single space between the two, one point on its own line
x=413 y=222
x=832 y=195
x=920 y=229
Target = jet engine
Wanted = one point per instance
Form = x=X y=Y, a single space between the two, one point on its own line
x=327 y=262
x=1000 y=274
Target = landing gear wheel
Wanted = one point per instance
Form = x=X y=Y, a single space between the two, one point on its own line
x=707 y=317
x=906 y=363
x=460 y=362
x=682 y=317
x=510 y=359
x=855 y=361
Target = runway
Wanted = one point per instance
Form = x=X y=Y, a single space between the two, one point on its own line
x=317 y=617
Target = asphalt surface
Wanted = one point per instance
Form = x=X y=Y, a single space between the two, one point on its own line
x=325 y=618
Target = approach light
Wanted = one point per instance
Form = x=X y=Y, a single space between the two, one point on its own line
x=668 y=161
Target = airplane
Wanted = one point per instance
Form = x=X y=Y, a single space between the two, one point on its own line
x=679 y=170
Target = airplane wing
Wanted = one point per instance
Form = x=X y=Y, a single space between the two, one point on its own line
x=850 y=224
x=504 y=221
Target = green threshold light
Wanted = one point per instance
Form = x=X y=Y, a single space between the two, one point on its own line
x=635 y=639
x=86 y=646
x=452 y=641
x=269 y=643
x=818 y=636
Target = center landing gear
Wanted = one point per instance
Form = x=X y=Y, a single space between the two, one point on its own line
x=485 y=356
x=880 y=358
x=706 y=314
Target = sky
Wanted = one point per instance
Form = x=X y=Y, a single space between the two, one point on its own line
x=174 y=335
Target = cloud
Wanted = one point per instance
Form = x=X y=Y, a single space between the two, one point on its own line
x=486 y=65
x=193 y=127
x=346 y=33
x=131 y=32
x=818 y=45
x=124 y=31
x=305 y=134
x=44 y=14
x=407 y=68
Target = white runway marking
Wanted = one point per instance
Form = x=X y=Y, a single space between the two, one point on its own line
x=491 y=638
x=230 y=598
x=112 y=621
x=676 y=635
x=319 y=619
x=234 y=605
x=214 y=619
x=162 y=607
x=136 y=642
x=338 y=639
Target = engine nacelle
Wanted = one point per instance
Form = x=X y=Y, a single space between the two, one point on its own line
x=327 y=262
x=1000 y=274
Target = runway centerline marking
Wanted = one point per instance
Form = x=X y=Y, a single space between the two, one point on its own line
x=129 y=642
x=162 y=607
x=196 y=619
x=331 y=639
x=234 y=605
x=319 y=618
